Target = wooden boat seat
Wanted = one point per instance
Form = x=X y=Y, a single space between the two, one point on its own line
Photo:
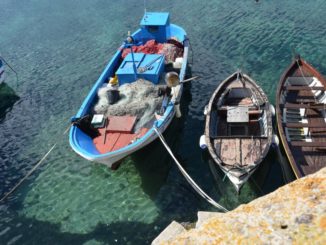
x=252 y=111
x=299 y=80
x=308 y=144
x=298 y=88
x=305 y=105
x=240 y=137
x=304 y=125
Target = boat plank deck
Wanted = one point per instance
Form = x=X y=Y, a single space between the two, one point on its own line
x=309 y=157
x=114 y=141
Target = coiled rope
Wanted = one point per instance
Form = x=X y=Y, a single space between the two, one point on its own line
x=33 y=169
x=187 y=177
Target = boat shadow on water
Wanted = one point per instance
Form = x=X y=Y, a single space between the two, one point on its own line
x=121 y=232
x=153 y=161
x=8 y=98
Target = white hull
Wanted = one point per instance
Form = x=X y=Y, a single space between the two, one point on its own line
x=238 y=183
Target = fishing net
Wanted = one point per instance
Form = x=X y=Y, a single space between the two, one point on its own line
x=171 y=50
x=139 y=98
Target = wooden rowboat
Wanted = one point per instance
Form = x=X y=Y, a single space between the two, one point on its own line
x=238 y=129
x=301 y=117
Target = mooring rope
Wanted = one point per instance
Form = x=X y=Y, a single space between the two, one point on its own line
x=32 y=170
x=10 y=68
x=187 y=177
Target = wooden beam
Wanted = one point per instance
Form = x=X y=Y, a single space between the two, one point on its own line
x=307 y=106
x=308 y=144
x=305 y=125
x=298 y=88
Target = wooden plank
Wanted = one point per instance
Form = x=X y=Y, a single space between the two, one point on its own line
x=309 y=106
x=111 y=139
x=298 y=88
x=121 y=124
x=241 y=137
x=304 y=125
x=123 y=140
x=308 y=144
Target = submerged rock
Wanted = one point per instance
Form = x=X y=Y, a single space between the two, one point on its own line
x=293 y=214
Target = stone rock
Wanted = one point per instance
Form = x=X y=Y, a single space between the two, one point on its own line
x=169 y=232
x=293 y=214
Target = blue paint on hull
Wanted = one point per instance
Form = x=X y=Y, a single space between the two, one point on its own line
x=83 y=144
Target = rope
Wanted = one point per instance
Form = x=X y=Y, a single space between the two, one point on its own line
x=33 y=169
x=10 y=68
x=145 y=7
x=187 y=177
x=192 y=52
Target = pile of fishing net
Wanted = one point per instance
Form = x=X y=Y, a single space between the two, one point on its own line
x=139 y=98
x=171 y=49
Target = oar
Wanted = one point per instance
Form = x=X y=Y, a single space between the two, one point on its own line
x=105 y=129
x=177 y=103
x=189 y=79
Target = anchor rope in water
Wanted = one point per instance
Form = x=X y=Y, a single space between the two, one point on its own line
x=33 y=169
x=145 y=10
x=187 y=177
x=10 y=68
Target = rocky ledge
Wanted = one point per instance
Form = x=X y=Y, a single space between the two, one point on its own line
x=293 y=214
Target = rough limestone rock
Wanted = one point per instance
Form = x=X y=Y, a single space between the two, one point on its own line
x=293 y=214
x=169 y=232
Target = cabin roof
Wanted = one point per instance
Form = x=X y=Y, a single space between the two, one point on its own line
x=155 y=19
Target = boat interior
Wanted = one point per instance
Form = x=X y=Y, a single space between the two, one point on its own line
x=238 y=123
x=155 y=49
x=303 y=108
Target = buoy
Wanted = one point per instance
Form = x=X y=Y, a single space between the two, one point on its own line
x=272 y=109
x=177 y=110
x=202 y=142
x=275 y=140
x=172 y=79
x=178 y=63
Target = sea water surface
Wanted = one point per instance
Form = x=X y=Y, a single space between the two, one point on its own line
x=59 y=49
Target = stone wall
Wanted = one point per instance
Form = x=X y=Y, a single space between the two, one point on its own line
x=293 y=214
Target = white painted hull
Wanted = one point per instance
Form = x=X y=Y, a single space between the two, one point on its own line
x=238 y=183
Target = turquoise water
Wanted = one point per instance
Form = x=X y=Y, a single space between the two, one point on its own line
x=60 y=47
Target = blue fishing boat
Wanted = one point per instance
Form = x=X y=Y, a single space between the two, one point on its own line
x=139 y=90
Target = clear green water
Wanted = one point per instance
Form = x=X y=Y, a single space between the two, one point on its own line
x=60 y=47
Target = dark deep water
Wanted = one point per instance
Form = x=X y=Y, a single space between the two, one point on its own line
x=59 y=49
